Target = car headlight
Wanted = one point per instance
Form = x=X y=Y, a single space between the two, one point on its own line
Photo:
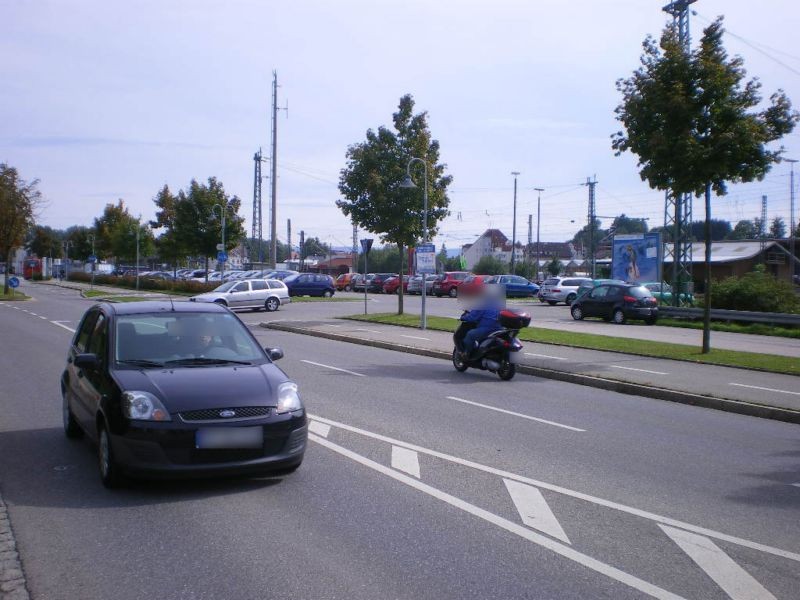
x=143 y=406
x=288 y=398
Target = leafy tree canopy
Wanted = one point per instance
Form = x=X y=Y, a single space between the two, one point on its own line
x=777 y=228
x=18 y=202
x=720 y=230
x=44 y=241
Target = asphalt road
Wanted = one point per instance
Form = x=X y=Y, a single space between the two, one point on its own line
x=419 y=482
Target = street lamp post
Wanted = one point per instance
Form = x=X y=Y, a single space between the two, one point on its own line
x=138 y=228
x=94 y=260
x=67 y=244
x=514 y=226
x=538 y=222
x=409 y=183
x=792 y=232
x=223 y=211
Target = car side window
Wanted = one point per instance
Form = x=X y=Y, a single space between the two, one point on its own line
x=614 y=291
x=98 y=341
x=599 y=292
x=258 y=285
x=274 y=285
x=85 y=329
x=241 y=287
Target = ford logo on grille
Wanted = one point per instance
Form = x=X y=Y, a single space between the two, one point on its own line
x=226 y=414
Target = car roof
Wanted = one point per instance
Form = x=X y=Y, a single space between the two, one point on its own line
x=154 y=306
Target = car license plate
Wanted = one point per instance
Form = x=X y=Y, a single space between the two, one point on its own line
x=229 y=437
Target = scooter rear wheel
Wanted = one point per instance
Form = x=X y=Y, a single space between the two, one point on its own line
x=458 y=362
x=507 y=370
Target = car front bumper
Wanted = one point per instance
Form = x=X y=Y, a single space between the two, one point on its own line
x=171 y=450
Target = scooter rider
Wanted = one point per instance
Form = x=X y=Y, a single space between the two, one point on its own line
x=487 y=319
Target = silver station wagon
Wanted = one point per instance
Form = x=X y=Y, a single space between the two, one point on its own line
x=256 y=294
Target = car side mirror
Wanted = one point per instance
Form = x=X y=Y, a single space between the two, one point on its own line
x=87 y=361
x=274 y=353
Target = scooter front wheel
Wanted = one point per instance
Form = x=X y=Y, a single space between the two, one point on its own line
x=507 y=370
x=458 y=362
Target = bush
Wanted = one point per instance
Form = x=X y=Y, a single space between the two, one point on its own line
x=489 y=265
x=154 y=285
x=756 y=291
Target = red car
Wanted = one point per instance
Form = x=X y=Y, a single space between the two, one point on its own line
x=392 y=285
x=447 y=283
x=472 y=285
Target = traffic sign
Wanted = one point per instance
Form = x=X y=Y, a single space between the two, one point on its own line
x=220 y=247
x=366 y=244
x=222 y=256
x=13 y=282
x=426 y=259
x=92 y=259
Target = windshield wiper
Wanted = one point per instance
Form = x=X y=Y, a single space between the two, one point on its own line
x=141 y=362
x=202 y=360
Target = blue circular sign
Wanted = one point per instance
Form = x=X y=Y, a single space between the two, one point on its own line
x=222 y=256
x=13 y=282
x=92 y=259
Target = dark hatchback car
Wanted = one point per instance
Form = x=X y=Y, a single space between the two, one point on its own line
x=179 y=390
x=310 y=284
x=617 y=302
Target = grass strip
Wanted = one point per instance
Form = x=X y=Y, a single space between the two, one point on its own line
x=750 y=328
x=729 y=358
x=14 y=296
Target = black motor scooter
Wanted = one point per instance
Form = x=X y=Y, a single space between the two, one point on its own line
x=499 y=352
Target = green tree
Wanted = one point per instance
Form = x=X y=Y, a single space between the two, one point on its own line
x=314 y=247
x=105 y=228
x=583 y=237
x=777 y=228
x=623 y=224
x=370 y=181
x=44 y=241
x=490 y=265
x=554 y=267
x=18 y=202
x=168 y=244
x=744 y=230
x=79 y=240
x=691 y=122
x=198 y=224
x=720 y=230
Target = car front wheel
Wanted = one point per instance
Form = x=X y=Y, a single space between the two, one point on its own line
x=327 y=294
x=109 y=471
x=577 y=313
x=453 y=292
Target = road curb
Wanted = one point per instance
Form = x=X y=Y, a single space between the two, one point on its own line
x=623 y=387
x=12 y=577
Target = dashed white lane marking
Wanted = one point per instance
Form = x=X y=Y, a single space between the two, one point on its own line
x=795 y=484
x=415 y=337
x=405 y=460
x=368 y=330
x=545 y=356
x=515 y=414
x=41 y=317
x=764 y=389
x=733 y=579
x=60 y=324
x=639 y=370
x=319 y=428
x=33 y=313
x=567 y=492
x=534 y=510
x=311 y=362
x=510 y=526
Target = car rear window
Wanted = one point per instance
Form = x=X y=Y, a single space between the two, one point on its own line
x=551 y=281
x=639 y=292
x=572 y=282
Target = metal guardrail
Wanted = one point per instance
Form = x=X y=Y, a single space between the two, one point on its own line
x=732 y=315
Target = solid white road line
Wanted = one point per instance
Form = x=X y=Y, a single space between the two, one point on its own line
x=319 y=428
x=567 y=492
x=534 y=510
x=415 y=337
x=764 y=389
x=60 y=324
x=311 y=362
x=510 y=526
x=545 y=356
x=405 y=460
x=733 y=579
x=515 y=414
x=795 y=484
x=639 y=370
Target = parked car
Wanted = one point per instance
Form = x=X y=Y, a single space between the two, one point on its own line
x=267 y=294
x=375 y=284
x=179 y=389
x=590 y=284
x=344 y=282
x=447 y=284
x=663 y=293
x=310 y=284
x=473 y=284
x=392 y=285
x=415 y=284
x=516 y=286
x=561 y=289
x=617 y=302
x=359 y=282
x=278 y=274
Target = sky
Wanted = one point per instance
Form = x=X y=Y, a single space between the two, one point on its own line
x=107 y=100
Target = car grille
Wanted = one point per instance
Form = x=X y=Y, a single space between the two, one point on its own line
x=213 y=414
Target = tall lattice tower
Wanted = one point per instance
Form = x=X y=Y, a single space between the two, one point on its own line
x=678 y=207
x=257 y=250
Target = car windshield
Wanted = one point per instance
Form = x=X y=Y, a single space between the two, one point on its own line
x=154 y=340
x=225 y=286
